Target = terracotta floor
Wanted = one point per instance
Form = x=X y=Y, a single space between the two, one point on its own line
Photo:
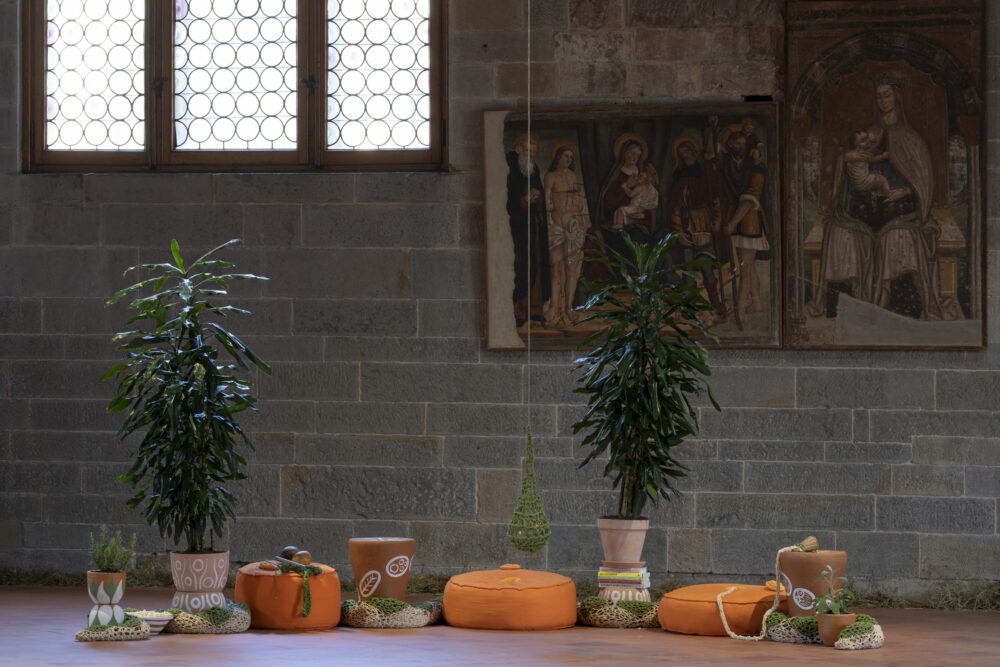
x=37 y=627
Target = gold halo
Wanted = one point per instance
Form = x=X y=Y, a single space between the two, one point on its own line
x=560 y=144
x=623 y=139
x=681 y=139
x=749 y=119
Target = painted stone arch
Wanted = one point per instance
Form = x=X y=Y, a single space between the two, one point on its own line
x=921 y=53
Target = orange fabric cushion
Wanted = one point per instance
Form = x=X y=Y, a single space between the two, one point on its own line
x=693 y=609
x=275 y=599
x=510 y=599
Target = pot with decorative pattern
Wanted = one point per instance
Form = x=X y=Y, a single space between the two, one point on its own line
x=199 y=579
x=381 y=565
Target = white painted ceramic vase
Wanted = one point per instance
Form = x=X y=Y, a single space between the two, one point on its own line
x=199 y=580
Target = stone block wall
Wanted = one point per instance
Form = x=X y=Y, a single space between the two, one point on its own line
x=387 y=416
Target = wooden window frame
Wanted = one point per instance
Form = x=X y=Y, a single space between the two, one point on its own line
x=159 y=155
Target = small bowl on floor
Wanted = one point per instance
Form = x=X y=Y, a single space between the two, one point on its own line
x=155 y=620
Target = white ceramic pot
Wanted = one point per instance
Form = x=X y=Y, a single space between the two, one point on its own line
x=199 y=580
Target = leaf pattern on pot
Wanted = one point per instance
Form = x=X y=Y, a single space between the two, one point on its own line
x=118 y=591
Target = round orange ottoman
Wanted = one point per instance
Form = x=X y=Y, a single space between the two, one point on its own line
x=510 y=599
x=693 y=610
x=275 y=599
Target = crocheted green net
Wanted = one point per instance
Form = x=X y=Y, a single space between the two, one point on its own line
x=528 y=529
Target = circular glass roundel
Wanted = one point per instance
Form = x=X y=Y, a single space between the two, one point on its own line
x=377 y=57
x=247 y=129
x=403 y=82
x=352 y=82
x=247 y=104
x=378 y=82
x=224 y=129
x=353 y=108
x=377 y=9
x=378 y=133
x=353 y=133
x=96 y=133
x=403 y=134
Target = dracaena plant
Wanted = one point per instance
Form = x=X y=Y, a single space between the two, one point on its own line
x=648 y=363
x=182 y=381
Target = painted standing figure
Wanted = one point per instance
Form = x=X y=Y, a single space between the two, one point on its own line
x=528 y=230
x=742 y=176
x=568 y=224
x=694 y=213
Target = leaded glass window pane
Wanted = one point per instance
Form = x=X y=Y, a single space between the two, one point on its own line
x=378 y=74
x=95 y=75
x=235 y=75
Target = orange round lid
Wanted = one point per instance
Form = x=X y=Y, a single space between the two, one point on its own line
x=255 y=570
x=509 y=577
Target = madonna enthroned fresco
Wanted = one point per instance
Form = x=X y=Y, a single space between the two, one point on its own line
x=884 y=234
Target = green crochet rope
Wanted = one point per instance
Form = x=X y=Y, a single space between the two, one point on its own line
x=305 y=571
x=528 y=529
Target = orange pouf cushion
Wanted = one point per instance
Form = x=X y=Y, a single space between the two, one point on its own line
x=693 y=609
x=510 y=599
x=256 y=589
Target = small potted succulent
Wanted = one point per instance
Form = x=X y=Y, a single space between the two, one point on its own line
x=181 y=383
x=831 y=608
x=106 y=582
x=649 y=362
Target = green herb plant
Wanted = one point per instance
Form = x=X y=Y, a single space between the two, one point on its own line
x=108 y=552
x=648 y=363
x=181 y=382
x=833 y=601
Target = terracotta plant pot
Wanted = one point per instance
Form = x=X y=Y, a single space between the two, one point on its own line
x=105 y=590
x=622 y=539
x=831 y=625
x=801 y=574
x=199 y=580
x=381 y=566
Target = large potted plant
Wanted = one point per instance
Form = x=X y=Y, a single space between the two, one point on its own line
x=648 y=363
x=182 y=381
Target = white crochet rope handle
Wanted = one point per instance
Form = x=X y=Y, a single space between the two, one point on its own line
x=777 y=601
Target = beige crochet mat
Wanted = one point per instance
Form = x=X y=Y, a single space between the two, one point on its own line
x=600 y=613
x=383 y=614
x=193 y=624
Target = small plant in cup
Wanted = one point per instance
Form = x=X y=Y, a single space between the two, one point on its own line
x=831 y=607
x=108 y=552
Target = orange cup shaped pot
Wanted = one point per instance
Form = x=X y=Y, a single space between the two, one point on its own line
x=801 y=575
x=831 y=625
x=381 y=565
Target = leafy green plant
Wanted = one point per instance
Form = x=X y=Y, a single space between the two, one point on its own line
x=833 y=601
x=648 y=363
x=182 y=397
x=108 y=552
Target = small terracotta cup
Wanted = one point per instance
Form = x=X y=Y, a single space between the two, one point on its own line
x=831 y=625
x=381 y=565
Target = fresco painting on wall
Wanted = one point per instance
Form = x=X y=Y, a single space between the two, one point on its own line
x=577 y=178
x=884 y=207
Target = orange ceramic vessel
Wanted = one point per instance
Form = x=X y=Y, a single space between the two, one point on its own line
x=381 y=565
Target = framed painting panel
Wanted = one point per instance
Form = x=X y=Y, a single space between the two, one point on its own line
x=884 y=228
x=561 y=183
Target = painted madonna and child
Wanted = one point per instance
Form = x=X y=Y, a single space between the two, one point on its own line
x=571 y=190
x=885 y=194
